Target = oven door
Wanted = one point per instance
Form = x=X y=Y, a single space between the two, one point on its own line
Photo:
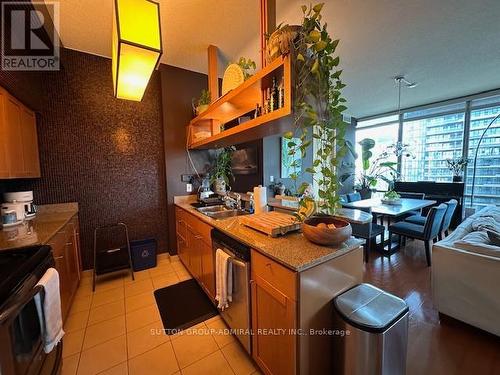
x=21 y=350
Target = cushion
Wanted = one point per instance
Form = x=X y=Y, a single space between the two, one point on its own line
x=486 y=222
x=478 y=242
x=416 y=219
x=407 y=229
x=494 y=237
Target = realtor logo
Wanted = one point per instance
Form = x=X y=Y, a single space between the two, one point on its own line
x=29 y=38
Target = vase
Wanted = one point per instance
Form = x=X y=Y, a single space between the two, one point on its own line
x=201 y=108
x=220 y=186
x=457 y=178
x=365 y=193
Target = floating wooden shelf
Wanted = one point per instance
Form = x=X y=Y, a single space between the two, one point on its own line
x=239 y=102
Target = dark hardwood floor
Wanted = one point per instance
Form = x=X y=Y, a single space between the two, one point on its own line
x=435 y=345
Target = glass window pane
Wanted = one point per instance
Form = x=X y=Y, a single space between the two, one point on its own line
x=383 y=136
x=491 y=100
x=432 y=141
x=376 y=121
x=435 y=110
x=487 y=182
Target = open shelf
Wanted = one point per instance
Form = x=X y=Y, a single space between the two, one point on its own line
x=239 y=102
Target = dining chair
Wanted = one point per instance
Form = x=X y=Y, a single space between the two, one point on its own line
x=427 y=232
x=450 y=210
x=353 y=197
x=369 y=232
x=343 y=199
x=412 y=196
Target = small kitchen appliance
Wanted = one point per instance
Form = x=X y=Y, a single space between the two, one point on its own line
x=21 y=203
x=204 y=191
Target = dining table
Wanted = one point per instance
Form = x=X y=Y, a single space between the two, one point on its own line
x=392 y=211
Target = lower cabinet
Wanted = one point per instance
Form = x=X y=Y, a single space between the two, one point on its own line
x=274 y=316
x=65 y=249
x=194 y=246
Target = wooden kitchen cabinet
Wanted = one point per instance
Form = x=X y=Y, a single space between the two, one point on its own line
x=274 y=316
x=65 y=249
x=19 y=156
x=194 y=246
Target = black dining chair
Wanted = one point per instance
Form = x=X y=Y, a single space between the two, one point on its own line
x=427 y=232
x=368 y=232
x=412 y=196
x=353 y=197
x=445 y=227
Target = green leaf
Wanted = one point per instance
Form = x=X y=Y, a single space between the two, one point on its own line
x=288 y=135
x=300 y=57
x=315 y=35
x=320 y=46
x=317 y=8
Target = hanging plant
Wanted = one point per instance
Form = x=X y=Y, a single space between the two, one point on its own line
x=318 y=106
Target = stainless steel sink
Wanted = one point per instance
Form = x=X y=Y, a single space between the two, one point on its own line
x=221 y=212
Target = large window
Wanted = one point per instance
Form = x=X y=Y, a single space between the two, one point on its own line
x=432 y=138
x=440 y=132
x=384 y=132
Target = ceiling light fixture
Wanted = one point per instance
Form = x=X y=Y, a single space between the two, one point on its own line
x=137 y=46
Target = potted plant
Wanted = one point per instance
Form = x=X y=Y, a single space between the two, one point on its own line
x=246 y=65
x=222 y=172
x=203 y=102
x=318 y=106
x=457 y=166
x=391 y=197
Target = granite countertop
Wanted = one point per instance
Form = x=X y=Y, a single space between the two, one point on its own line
x=38 y=231
x=292 y=250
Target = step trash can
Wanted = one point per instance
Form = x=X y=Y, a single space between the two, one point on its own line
x=375 y=324
x=143 y=254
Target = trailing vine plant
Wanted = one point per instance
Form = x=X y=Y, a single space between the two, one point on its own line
x=318 y=106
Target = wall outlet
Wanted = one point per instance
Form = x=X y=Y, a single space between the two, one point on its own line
x=189 y=188
x=271 y=178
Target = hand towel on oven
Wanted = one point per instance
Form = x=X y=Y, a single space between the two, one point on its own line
x=49 y=310
x=223 y=279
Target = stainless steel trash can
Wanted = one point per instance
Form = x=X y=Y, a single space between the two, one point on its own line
x=372 y=332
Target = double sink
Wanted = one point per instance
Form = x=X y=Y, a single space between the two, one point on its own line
x=219 y=212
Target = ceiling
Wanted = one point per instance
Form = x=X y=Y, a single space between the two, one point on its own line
x=450 y=47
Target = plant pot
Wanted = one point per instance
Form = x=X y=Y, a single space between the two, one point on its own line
x=220 y=186
x=201 y=108
x=457 y=178
x=365 y=193
x=323 y=235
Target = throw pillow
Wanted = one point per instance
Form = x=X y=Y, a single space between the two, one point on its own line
x=494 y=237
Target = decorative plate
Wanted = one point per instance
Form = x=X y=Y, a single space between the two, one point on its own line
x=233 y=77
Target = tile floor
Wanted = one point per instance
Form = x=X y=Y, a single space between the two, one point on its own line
x=117 y=330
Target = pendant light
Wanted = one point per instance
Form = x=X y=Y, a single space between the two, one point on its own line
x=136 y=46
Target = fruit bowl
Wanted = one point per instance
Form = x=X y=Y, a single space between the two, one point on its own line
x=391 y=201
x=326 y=230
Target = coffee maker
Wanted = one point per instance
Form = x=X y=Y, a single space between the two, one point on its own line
x=17 y=207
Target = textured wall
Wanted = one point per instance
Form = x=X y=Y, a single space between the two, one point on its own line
x=104 y=153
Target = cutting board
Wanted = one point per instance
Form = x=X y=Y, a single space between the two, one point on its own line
x=271 y=223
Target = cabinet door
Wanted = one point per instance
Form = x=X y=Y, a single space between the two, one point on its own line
x=182 y=241
x=194 y=250
x=72 y=267
x=29 y=143
x=274 y=313
x=14 y=137
x=58 y=244
x=208 y=268
x=4 y=161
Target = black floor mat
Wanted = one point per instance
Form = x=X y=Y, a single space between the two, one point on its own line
x=183 y=305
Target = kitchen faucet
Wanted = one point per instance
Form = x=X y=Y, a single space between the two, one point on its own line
x=233 y=202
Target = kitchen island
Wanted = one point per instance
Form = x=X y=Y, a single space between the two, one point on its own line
x=293 y=282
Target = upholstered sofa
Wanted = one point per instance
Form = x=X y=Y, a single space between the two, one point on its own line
x=466 y=272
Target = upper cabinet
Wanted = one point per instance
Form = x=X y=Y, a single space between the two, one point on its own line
x=19 y=156
x=211 y=129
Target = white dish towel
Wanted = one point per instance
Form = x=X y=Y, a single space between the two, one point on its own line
x=223 y=279
x=49 y=310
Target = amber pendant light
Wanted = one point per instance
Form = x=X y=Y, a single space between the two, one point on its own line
x=136 y=46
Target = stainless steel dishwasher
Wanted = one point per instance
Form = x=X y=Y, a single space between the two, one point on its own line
x=237 y=315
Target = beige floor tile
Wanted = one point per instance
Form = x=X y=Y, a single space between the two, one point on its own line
x=70 y=364
x=213 y=364
x=104 y=331
x=161 y=270
x=183 y=276
x=142 y=317
x=138 y=276
x=73 y=342
x=121 y=369
x=221 y=333
x=165 y=256
x=190 y=348
x=212 y=319
x=146 y=338
x=159 y=361
x=238 y=359
x=104 y=283
x=81 y=303
x=103 y=356
x=139 y=301
x=199 y=329
x=165 y=280
x=108 y=296
x=106 y=312
x=87 y=274
x=138 y=287
x=179 y=267
x=84 y=289
x=76 y=321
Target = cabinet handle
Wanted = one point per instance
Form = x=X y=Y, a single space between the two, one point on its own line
x=198 y=237
x=69 y=243
x=59 y=257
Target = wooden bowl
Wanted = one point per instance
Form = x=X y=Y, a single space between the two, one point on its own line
x=323 y=235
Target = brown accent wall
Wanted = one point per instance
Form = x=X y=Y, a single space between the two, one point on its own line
x=104 y=153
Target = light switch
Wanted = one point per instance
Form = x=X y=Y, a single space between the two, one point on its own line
x=189 y=188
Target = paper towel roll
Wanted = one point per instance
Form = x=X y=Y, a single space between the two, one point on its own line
x=260 y=199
